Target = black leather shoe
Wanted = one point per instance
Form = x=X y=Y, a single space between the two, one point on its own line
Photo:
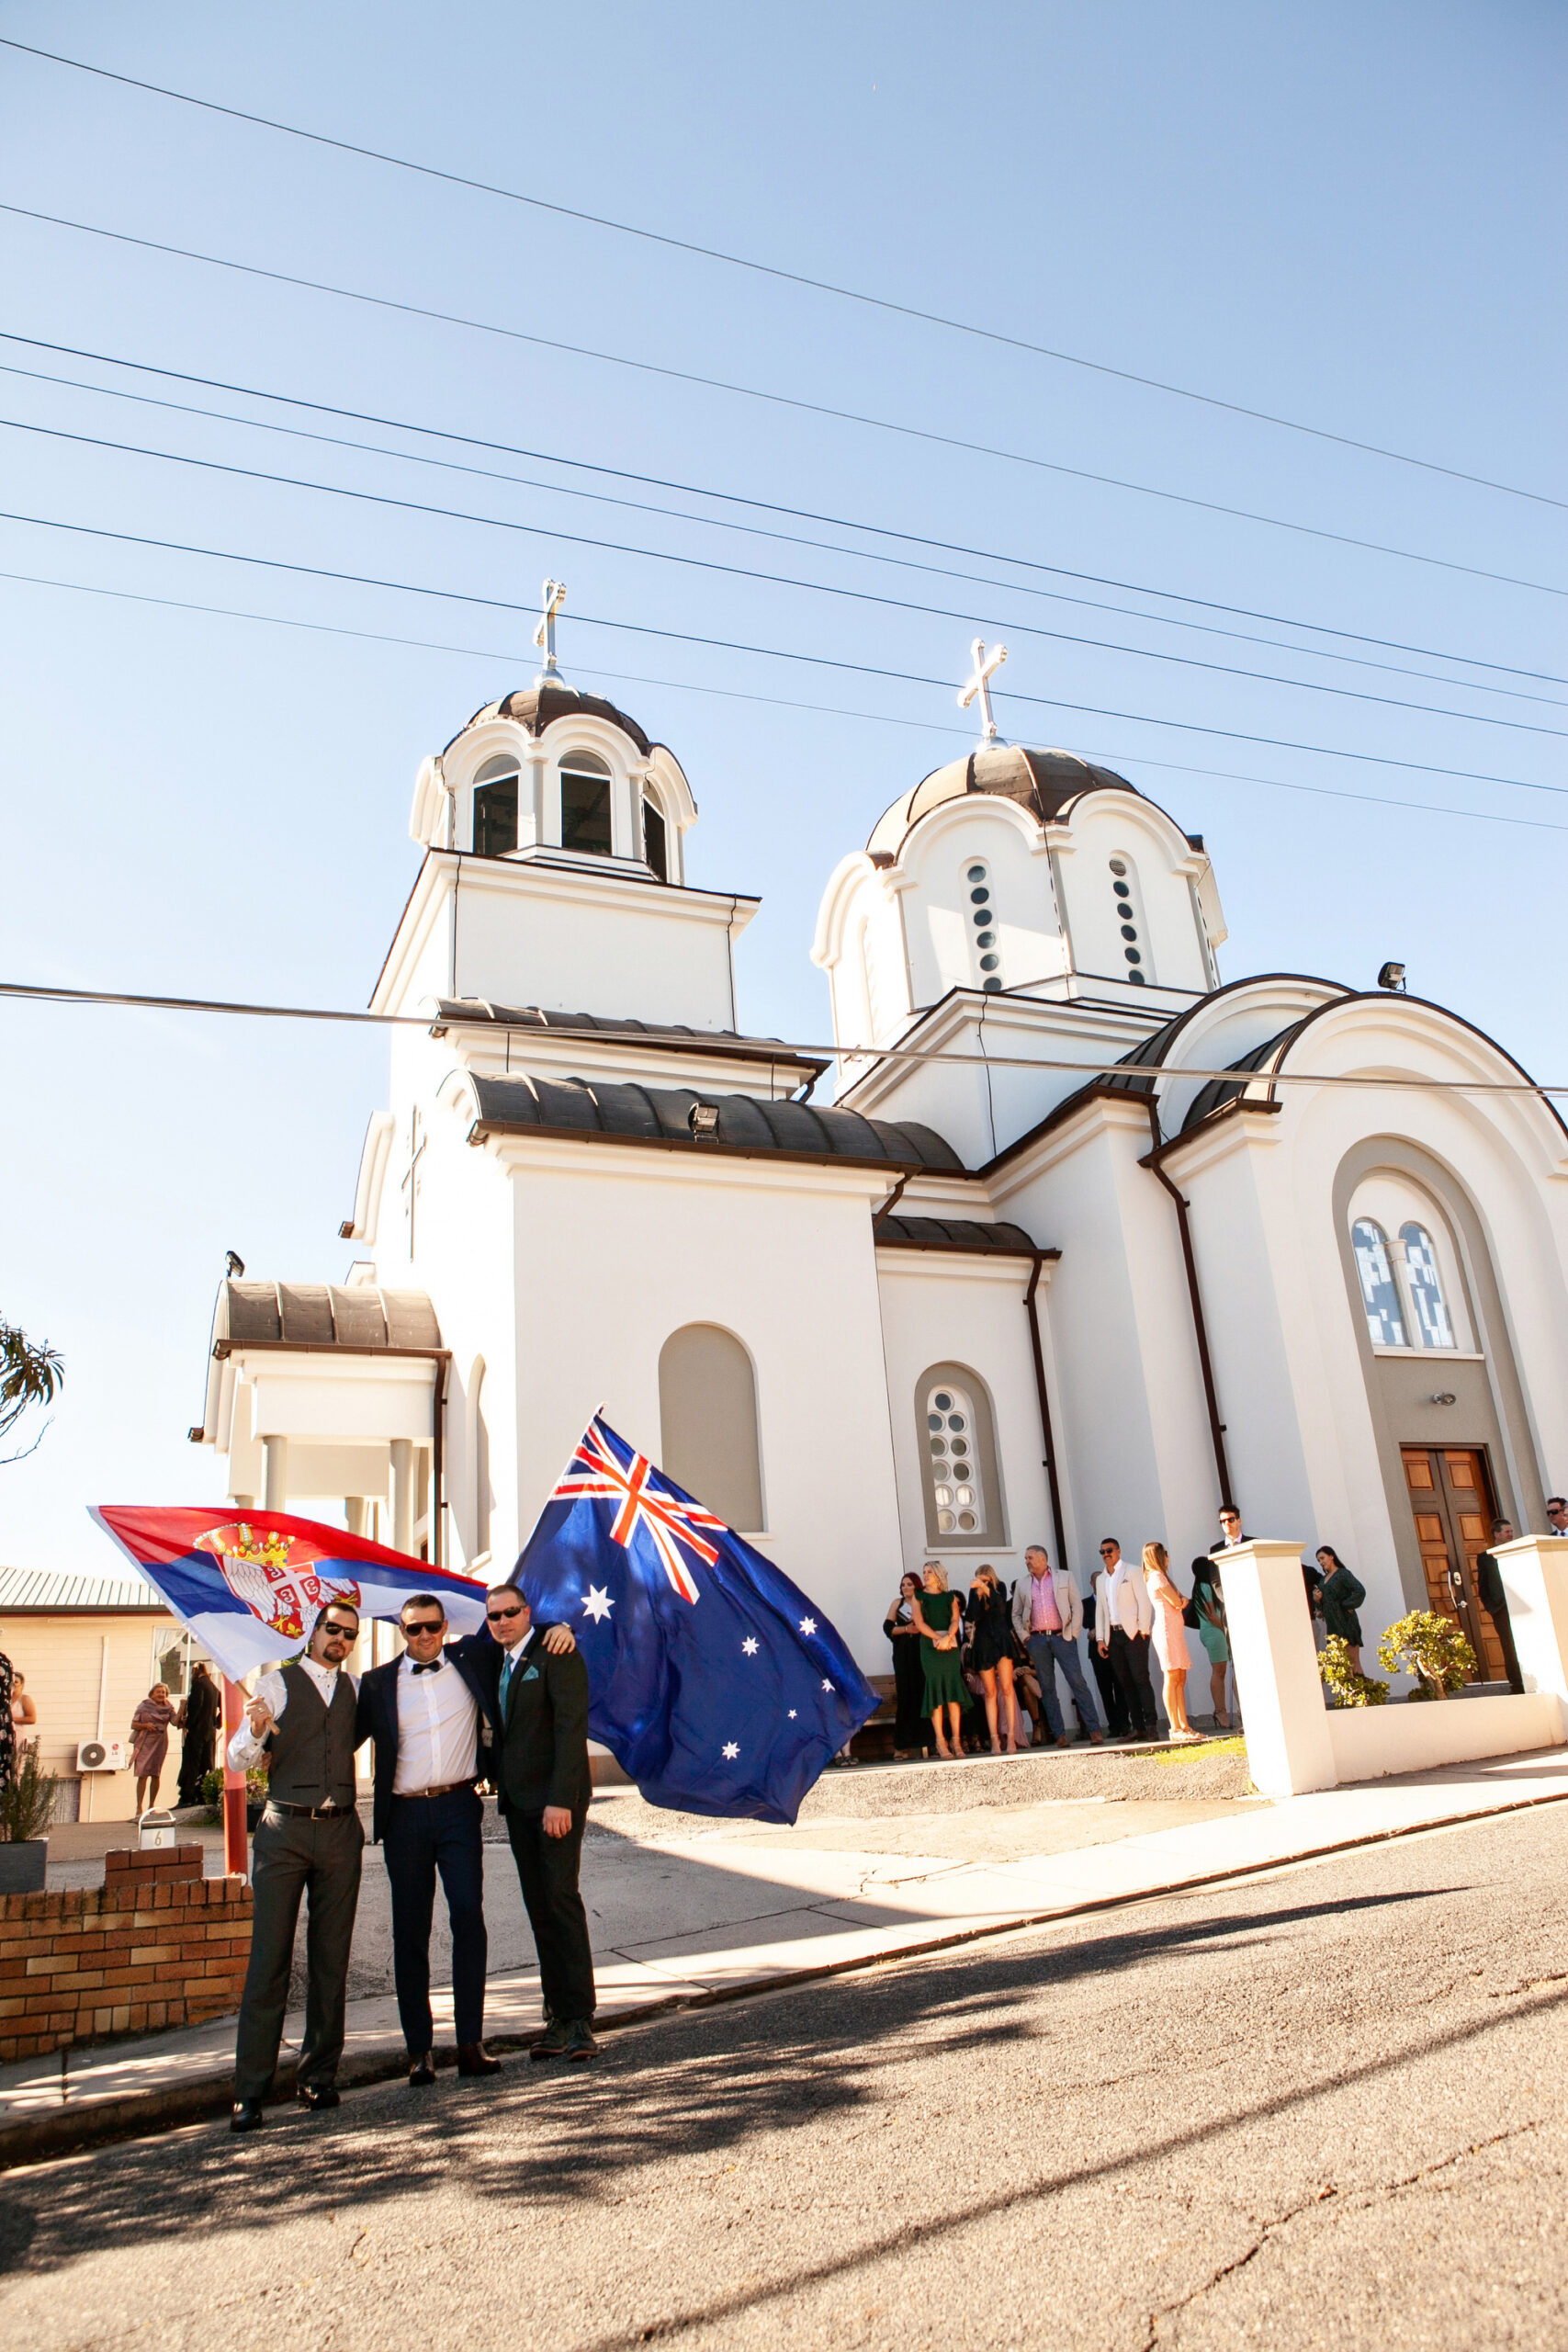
x=246 y=2115
x=315 y=2098
x=580 y=2042
x=552 y=2042
x=473 y=2058
x=422 y=2072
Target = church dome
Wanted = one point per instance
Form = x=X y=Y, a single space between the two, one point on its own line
x=1044 y=783
x=540 y=705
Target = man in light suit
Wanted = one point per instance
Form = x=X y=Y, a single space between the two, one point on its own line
x=1122 y=1630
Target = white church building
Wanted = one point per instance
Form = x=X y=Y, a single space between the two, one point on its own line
x=1086 y=1241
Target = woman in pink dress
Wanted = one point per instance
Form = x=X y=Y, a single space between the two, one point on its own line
x=1170 y=1638
x=150 y=1741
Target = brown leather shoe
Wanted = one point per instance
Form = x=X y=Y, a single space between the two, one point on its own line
x=473 y=2058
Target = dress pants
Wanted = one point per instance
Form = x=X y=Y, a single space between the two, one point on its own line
x=548 y=1869
x=1049 y=1651
x=1117 y=1721
x=1130 y=1664
x=291 y=1855
x=426 y=1835
x=1505 y=1633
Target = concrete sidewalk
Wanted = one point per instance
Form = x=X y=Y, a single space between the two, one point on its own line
x=685 y=1913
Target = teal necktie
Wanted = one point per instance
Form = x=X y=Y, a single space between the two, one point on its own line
x=505 y=1682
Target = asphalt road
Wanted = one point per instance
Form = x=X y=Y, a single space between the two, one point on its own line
x=1327 y=2107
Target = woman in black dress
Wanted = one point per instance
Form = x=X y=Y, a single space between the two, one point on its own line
x=910 y=1729
x=989 y=1613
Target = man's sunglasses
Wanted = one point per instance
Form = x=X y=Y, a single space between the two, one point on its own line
x=1106 y=1549
x=423 y=1626
x=341 y=1633
x=497 y=1615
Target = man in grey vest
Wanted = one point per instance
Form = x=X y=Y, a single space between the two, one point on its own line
x=310 y=1838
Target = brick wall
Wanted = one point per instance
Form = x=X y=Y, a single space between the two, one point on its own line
x=156 y=1945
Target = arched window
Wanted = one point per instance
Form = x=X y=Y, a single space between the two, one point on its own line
x=983 y=916
x=495 y=807
x=1433 y=1323
x=958 y=1459
x=1379 y=1294
x=1132 y=929
x=655 y=839
x=707 y=1411
x=585 y=804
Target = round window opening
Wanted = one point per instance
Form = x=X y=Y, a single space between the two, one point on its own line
x=988 y=963
x=1136 y=975
x=992 y=985
x=985 y=939
x=976 y=874
x=966 y=1520
x=944 y=1404
x=1132 y=955
x=1119 y=865
x=979 y=897
x=1121 y=890
x=1128 y=932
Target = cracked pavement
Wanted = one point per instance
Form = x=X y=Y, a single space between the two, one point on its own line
x=1323 y=2106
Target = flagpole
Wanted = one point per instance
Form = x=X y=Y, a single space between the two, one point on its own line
x=236 y=1846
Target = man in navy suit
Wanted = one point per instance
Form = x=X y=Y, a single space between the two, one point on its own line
x=431 y=1716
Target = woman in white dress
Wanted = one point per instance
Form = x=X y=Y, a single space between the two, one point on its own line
x=1170 y=1638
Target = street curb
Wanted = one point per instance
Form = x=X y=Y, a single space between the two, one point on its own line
x=37 y=2139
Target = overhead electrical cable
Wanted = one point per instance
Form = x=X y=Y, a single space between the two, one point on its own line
x=766 y=652
x=801 y=513
x=786 y=276
x=783 y=538
x=558 y=533
x=785 y=400
x=775 y=702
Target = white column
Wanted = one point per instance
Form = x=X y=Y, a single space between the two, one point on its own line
x=274 y=1474
x=403 y=1493
x=355 y=1508
x=1288 y=1746
x=1535 y=1583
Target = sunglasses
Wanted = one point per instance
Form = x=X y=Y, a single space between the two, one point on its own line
x=342 y=1632
x=413 y=1625
x=1106 y=1549
x=496 y=1616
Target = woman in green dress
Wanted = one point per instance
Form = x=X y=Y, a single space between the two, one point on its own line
x=939 y=1616
x=1209 y=1607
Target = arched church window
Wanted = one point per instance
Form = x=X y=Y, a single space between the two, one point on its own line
x=495 y=808
x=983 y=915
x=707 y=1412
x=958 y=1458
x=1131 y=931
x=585 y=804
x=1434 y=1324
x=1379 y=1294
x=654 y=840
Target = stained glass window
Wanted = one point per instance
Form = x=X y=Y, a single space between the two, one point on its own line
x=1435 y=1325
x=1380 y=1295
x=956 y=1490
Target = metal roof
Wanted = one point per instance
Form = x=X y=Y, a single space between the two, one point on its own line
x=322 y=1315
x=662 y=1117
x=458 y=1012
x=53 y=1588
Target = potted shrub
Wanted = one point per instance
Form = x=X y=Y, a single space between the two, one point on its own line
x=26 y=1804
x=1340 y=1679
x=1432 y=1648
x=255 y=1794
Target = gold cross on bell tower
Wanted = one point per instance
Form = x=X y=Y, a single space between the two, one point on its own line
x=553 y=596
x=978 y=687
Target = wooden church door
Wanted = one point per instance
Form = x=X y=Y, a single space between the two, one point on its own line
x=1452 y=1502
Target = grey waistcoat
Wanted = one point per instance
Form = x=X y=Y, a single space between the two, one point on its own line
x=310 y=1747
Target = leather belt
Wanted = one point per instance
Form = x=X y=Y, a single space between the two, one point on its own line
x=310 y=1812
x=442 y=1789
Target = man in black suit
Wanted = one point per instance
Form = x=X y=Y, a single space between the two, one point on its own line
x=430 y=1715
x=1494 y=1601
x=544 y=1786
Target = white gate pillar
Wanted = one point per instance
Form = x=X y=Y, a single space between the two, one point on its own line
x=1535 y=1583
x=401 y=1452
x=1288 y=1746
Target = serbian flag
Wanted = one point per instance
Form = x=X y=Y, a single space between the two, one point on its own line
x=250 y=1589
x=716 y=1684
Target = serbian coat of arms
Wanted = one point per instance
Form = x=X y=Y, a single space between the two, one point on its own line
x=275 y=1576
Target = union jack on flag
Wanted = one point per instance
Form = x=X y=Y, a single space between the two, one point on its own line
x=647 y=1501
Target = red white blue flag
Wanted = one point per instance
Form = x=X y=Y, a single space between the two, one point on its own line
x=251 y=1588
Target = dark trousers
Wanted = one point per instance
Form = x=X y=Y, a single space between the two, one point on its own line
x=548 y=1869
x=290 y=1857
x=426 y=1835
x=195 y=1762
x=1117 y=1721
x=1505 y=1633
x=1130 y=1664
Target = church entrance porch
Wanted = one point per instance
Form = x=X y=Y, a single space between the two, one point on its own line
x=1454 y=1503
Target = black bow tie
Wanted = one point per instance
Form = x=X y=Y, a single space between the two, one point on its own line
x=432 y=1666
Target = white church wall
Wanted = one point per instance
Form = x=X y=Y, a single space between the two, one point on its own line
x=616 y=1249
x=935 y=897
x=1111 y=824
x=584 y=942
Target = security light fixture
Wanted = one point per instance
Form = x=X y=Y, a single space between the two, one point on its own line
x=702 y=1120
x=1444 y=1396
x=1392 y=977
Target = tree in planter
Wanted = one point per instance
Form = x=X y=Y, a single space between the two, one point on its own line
x=1340 y=1678
x=1431 y=1648
x=31 y=1373
x=212 y=1789
x=28 y=1799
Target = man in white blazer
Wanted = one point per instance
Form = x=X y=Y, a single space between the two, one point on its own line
x=1123 y=1624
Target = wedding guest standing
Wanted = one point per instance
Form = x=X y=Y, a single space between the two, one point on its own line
x=1124 y=1624
x=989 y=1613
x=1208 y=1599
x=1340 y=1596
x=937 y=1615
x=909 y=1730
x=150 y=1742
x=1047 y=1616
x=1169 y=1637
x=7 y=1723
x=1494 y=1601
x=24 y=1714
x=204 y=1710
x=1113 y=1705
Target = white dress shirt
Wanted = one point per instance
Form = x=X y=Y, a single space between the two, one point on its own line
x=246 y=1750
x=438 y=1728
x=1127 y=1601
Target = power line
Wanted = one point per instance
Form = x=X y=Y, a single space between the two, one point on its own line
x=781 y=399
x=792 y=278
x=769 y=579
x=776 y=702
x=797 y=514
x=753 y=530
x=39 y=992
x=769 y=652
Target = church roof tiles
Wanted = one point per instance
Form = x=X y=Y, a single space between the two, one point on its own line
x=324 y=1314
x=661 y=1117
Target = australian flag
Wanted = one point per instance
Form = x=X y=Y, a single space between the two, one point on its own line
x=712 y=1681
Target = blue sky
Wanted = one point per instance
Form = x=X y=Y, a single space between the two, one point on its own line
x=1342 y=215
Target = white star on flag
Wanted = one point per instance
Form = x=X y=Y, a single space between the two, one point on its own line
x=826 y=1686
x=598 y=1604
x=792 y=1715
x=808 y=1626
x=731 y=1752
x=748 y=1647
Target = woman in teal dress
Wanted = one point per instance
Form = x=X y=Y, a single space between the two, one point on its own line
x=939 y=1616
x=1209 y=1606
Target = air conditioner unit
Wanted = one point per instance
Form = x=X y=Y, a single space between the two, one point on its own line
x=100 y=1756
